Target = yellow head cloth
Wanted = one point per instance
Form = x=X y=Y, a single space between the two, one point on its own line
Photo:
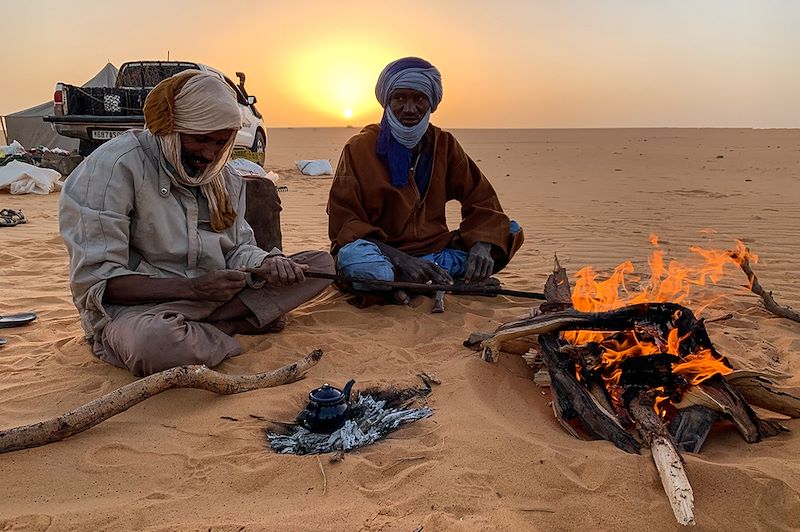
x=194 y=102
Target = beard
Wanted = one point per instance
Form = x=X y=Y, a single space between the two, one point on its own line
x=194 y=165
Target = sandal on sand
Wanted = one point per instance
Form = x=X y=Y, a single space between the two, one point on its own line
x=2 y=342
x=16 y=320
x=14 y=216
x=7 y=222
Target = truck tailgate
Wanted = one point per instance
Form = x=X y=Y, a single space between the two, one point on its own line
x=104 y=101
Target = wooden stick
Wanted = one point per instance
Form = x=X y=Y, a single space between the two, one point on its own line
x=324 y=477
x=459 y=288
x=666 y=457
x=756 y=288
x=761 y=391
x=719 y=318
x=111 y=404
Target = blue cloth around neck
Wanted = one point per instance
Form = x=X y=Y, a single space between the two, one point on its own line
x=400 y=159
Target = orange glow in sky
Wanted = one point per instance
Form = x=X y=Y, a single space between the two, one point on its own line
x=573 y=63
x=337 y=81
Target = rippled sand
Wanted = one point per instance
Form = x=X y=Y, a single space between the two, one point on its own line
x=492 y=456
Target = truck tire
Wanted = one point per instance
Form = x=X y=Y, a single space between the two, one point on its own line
x=260 y=147
x=85 y=147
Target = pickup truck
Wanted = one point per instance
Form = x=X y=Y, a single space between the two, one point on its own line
x=97 y=114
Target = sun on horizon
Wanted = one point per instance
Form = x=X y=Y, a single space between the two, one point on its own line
x=337 y=81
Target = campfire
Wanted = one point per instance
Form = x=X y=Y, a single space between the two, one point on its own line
x=629 y=361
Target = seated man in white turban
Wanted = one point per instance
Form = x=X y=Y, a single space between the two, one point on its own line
x=164 y=268
x=386 y=211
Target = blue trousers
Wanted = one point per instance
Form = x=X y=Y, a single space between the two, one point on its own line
x=364 y=260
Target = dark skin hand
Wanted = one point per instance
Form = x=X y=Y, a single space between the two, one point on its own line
x=219 y=285
x=280 y=271
x=480 y=263
x=413 y=269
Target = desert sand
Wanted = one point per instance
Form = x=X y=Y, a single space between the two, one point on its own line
x=492 y=457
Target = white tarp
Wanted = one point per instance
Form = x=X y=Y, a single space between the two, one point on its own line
x=315 y=167
x=24 y=178
x=28 y=128
x=247 y=168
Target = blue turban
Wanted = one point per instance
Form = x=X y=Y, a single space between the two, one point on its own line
x=395 y=140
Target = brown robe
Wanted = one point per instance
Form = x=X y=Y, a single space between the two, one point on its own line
x=363 y=202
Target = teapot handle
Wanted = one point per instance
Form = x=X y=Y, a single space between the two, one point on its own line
x=302 y=419
x=347 y=388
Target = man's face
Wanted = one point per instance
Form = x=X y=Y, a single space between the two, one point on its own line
x=409 y=106
x=199 y=151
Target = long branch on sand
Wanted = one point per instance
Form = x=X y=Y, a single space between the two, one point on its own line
x=756 y=288
x=111 y=404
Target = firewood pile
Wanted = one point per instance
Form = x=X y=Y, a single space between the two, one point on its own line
x=644 y=374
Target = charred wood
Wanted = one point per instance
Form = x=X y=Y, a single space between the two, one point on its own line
x=750 y=426
x=759 y=390
x=690 y=427
x=556 y=290
x=572 y=401
x=657 y=317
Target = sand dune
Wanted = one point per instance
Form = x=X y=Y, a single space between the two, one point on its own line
x=492 y=457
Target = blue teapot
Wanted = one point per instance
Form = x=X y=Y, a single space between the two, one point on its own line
x=327 y=410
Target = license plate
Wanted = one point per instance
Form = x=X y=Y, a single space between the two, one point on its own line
x=105 y=134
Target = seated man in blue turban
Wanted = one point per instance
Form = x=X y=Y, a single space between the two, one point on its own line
x=387 y=202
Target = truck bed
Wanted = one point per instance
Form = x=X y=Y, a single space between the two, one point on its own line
x=103 y=101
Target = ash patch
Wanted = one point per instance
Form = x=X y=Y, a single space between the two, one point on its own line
x=371 y=420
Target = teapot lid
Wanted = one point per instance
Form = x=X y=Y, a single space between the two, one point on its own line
x=325 y=394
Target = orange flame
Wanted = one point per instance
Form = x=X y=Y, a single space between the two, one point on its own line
x=667 y=282
x=700 y=366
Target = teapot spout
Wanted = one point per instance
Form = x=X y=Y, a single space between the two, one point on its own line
x=347 y=388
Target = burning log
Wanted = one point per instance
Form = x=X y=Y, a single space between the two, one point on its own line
x=758 y=389
x=575 y=407
x=648 y=365
x=661 y=317
x=667 y=459
x=655 y=318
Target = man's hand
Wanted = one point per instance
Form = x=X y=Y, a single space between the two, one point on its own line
x=479 y=262
x=280 y=271
x=417 y=270
x=219 y=285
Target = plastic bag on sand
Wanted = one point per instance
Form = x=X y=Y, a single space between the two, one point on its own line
x=15 y=148
x=314 y=167
x=247 y=168
x=24 y=178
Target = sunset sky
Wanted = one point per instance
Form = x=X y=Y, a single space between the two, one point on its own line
x=572 y=63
